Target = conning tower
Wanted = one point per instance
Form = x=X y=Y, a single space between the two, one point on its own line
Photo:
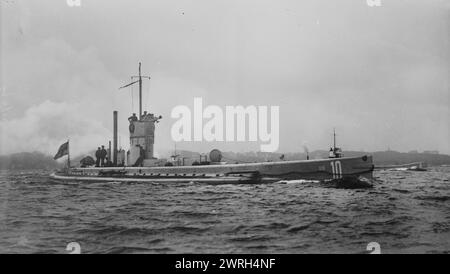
x=142 y=131
x=142 y=137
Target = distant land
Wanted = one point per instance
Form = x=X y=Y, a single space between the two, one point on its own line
x=39 y=160
x=28 y=160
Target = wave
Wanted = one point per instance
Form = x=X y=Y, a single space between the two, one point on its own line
x=136 y=249
x=251 y=238
x=298 y=228
x=433 y=198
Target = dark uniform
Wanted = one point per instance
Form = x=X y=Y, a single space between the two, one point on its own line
x=103 y=156
x=97 y=157
x=132 y=118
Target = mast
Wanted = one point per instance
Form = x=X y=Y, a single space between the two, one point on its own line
x=140 y=87
x=140 y=92
x=68 y=154
x=114 y=160
x=109 y=151
x=334 y=138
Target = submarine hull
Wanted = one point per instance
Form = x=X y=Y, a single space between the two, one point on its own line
x=324 y=169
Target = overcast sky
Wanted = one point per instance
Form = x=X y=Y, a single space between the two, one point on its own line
x=379 y=75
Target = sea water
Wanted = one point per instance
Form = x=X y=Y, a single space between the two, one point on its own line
x=405 y=212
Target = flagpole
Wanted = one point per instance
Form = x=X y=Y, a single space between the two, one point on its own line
x=68 y=154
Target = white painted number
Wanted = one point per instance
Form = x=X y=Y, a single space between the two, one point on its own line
x=74 y=247
x=374 y=247
x=336 y=169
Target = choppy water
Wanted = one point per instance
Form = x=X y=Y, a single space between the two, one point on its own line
x=405 y=212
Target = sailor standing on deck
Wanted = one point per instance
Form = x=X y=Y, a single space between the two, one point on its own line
x=140 y=160
x=97 y=157
x=103 y=156
x=132 y=118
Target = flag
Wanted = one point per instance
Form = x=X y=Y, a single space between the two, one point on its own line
x=63 y=150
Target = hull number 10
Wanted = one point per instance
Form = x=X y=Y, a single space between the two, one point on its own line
x=336 y=169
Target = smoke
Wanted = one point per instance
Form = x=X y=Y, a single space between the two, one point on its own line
x=46 y=126
x=305 y=148
x=64 y=93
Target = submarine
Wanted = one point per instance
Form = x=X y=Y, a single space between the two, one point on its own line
x=139 y=164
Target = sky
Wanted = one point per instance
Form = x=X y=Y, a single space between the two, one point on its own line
x=379 y=75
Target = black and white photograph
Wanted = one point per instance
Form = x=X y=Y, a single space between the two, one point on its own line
x=248 y=128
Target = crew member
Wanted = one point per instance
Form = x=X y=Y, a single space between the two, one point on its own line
x=103 y=156
x=133 y=118
x=140 y=160
x=97 y=157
